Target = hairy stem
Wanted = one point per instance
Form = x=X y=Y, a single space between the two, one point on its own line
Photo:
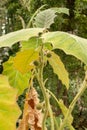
x=71 y=107
x=78 y=95
x=51 y=117
x=45 y=94
x=41 y=83
x=40 y=80
x=53 y=96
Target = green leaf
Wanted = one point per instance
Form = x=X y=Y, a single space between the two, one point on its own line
x=9 y=110
x=45 y=18
x=70 y=127
x=59 y=68
x=61 y=10
x=57 y=121
x=68 y=119
x=65 y=110
x=30 y=22
x=69 y=43
x=21 y=35
x=32 y=43
x=23 y=61
x=16 y=79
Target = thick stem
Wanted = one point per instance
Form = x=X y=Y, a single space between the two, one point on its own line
x=51 y=117
x=40 y=80
x=41 y=83
x=45 y=94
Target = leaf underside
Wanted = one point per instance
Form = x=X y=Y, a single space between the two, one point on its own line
x=21 y=35
x=45 y=18
x=69 y=43
x=61 y=10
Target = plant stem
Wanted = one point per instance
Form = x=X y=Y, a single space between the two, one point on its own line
x=40 y=80
x=78 y=95
x=45 y=94
x=30 y=22
x=56 y=124
x=53 y=96
x=51 y=117
x=81 y=90
x=22 y=21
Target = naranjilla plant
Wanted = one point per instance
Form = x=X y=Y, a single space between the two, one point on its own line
x=21 y=69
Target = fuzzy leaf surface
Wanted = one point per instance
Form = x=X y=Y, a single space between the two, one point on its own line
x=61 y=10
x=70 y=44
x=9 y=110
x=21 y=35
x=45 y=18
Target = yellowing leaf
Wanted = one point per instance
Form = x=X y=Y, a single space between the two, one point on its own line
x=16 y=79
x=24 y=60
x=65 y=110
x=9 y=110
x=59 y=68
x=68 y=119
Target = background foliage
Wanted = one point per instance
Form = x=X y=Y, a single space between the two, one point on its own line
x=75 y=23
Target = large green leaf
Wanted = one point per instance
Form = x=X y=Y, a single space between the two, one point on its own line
x=69 y=43
x=23 y=61
x=21 y=35
x=45 y=18
x=9 y=110
x=16 y=79
x=59 y=68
